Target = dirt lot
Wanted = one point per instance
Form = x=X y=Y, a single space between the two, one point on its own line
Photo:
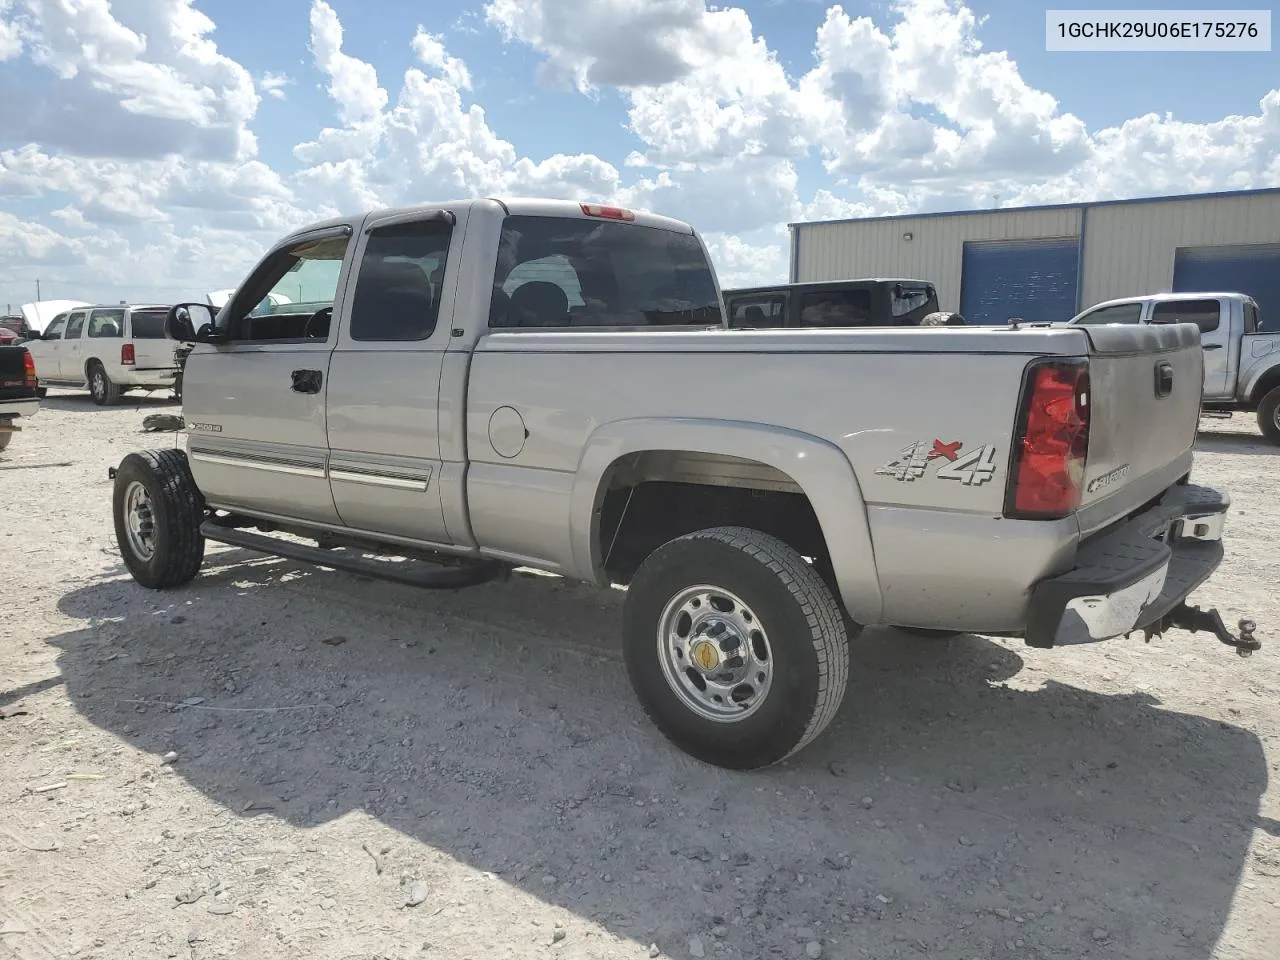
x=283 y=762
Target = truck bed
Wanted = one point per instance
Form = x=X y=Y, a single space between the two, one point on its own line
x=873 y=397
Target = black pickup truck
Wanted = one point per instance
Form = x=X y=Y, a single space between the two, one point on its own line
x=18 y=397
x=837 y=303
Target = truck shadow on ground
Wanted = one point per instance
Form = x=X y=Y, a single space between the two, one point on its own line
x=942 y=813
x=81 y=401
x=1231 y=441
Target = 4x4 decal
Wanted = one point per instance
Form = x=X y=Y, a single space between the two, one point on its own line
x=973 y=468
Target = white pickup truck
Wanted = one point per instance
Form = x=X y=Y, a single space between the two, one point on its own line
x=1241 y=362
x=485 y=384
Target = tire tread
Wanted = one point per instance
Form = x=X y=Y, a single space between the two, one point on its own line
x=818 y=605
x=183 y=513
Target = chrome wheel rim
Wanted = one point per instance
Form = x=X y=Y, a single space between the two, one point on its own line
x=1275 y=417
x=139 y=521
x=99 y=384
x=715 y=653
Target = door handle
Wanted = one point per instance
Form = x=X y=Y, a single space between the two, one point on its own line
x=1212 y=346
x=307 y=381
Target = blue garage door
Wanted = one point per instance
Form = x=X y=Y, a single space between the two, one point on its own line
x=1249 y=268
x=1031 y=279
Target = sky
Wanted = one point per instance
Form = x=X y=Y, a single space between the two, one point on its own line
x=152 y=150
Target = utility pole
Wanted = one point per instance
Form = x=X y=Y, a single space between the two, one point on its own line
x=38 y=297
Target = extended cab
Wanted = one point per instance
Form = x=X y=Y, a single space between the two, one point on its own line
x=833 y=303
x=112 y=349
x=484 y=384
x=18 y=397
x=1241 y=363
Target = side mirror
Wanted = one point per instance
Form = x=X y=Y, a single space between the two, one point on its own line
x=191 y=323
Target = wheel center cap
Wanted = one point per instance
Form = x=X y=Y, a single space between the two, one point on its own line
x=705 y=655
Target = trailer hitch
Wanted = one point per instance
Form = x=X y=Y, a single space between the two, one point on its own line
x=1194 y=620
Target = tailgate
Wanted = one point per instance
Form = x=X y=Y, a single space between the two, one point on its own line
x=1145 y=384
x=151 y=348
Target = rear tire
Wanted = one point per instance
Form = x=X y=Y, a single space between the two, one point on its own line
x=741 y=613
x=101 y=388
x=158 y=511
x=942 y=318
x=1269 y=416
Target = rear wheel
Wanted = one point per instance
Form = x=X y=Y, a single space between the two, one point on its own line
x=1269 y=415
x=158 y=511
x=735 y=646
x=101 y=387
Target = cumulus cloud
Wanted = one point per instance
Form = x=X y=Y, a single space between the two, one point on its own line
x=142 y=79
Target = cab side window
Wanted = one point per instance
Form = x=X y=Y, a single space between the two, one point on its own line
x=106 y=323
x=398 y=289
x=291 y=297
x=54 y=332
x=1203 y=313
x=1251 y=322
x=75 y=326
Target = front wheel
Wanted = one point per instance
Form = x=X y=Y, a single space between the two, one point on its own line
x=1269 y=415
x=735 y=646
x=158 y=511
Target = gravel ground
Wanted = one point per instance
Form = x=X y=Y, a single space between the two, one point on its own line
x=279 y=761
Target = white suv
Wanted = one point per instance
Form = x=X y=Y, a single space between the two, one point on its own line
x=110 y=349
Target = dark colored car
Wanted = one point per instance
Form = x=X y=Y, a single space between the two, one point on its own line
x=835 y=303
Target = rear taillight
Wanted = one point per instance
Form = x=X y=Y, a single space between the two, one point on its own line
x=29 y=368
x=1051 y=441
x=126 y=354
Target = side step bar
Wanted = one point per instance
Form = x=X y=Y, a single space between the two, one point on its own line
x=415 y=573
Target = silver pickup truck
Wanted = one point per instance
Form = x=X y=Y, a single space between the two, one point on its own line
x=485 y=384
x=1241 y=362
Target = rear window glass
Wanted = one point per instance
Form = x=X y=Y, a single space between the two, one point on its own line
x=556 y=272
x=148 y=325
x=1203 y=313
x=758 y=312
x=106 y=323
x=836 y=308
x=911 y=299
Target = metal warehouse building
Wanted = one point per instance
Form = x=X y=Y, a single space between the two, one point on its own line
x=1049 y=262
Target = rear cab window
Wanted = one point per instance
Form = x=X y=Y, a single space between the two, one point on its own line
x=562 y=273
x=147 y=324
x=1204 y=313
